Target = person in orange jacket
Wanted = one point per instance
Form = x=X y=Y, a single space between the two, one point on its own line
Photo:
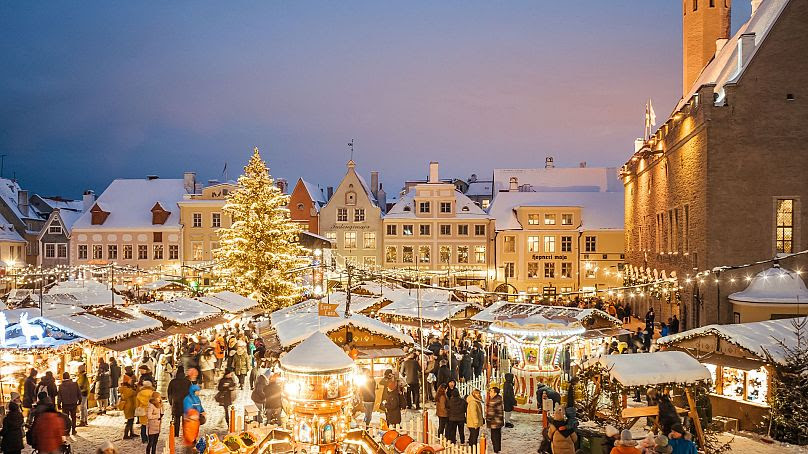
x=219 y=348
x=48 y=431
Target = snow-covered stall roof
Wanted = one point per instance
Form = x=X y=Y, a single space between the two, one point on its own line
x=82 y=293
x=316 y=354
x=645 y=369
x=756 y=337
x=504 y=310
x=599 y=210
x=230 y=302
x=163 y=285
x=102 y=324
x=431 y=309
x=293 y=327
x=773 y=286
x=181 y=310
x=397 y=294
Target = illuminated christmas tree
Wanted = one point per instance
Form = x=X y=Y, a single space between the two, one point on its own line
x=261 y=246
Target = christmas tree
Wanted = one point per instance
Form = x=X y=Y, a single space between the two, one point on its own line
x=260 y=248
x=788 y=420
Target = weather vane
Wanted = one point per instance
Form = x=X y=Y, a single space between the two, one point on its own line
x=350 y=145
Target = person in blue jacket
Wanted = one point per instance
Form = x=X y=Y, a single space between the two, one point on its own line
x=192 y=401
x=680 y=440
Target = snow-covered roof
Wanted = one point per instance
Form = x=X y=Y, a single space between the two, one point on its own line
x=9 y=190
x=316 y=354
x=401 y=293
x=180 y=310
x=773 y=286
x=505 y=310
x=69 y=218
x=292 y=326
x=560 y=179
x=358 y=302
x=230 y=302
x=480 y=188
x=724 y=68
x=101 y=325
x=431 y=309
x=599 y=210
x=657 y=368
x=56 y=203
x=7 y=232
x=82 y=293
x=130 y=201
x=464 y=207
x=755 y=337
x=315 y=192
x=161 y=284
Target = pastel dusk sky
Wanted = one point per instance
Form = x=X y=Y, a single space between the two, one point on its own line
x=96 y=90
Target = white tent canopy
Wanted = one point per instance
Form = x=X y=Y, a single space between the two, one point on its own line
x=316 y=354
x=773 y=286
x=181 y=310
x=645 y=369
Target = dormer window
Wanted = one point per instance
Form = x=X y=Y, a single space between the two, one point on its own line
x=55 y=229
x=465 y=208
x=407 y=208
x=99 y=216
x=159 y=214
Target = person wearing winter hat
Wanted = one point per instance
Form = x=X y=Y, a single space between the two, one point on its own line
x=106 y=448
x=661 y=445
x=626 y=444
x=679 y=440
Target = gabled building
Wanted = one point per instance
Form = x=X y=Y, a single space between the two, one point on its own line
x=442 y=229
x=15 y=207
x=351 y=220
x=722 y=181
x=54 y=238
x=305 y=203
x=12 y=246
x=134 y=222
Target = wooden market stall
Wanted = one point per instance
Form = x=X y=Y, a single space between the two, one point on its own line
x=661 y=370
x=736 y=356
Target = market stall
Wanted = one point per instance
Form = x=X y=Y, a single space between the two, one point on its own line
x=665 y=371
x=736 y=356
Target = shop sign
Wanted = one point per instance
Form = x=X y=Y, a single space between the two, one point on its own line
x=549 y=257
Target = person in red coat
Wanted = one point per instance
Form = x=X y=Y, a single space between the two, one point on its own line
x=49 y=431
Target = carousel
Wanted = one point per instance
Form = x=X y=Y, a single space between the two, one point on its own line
x=539 y=344
x=318 y=394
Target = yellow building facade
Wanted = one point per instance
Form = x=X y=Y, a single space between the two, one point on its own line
x=555 y=243
x=201 y=217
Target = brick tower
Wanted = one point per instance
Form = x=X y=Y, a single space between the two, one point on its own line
x=704 y=22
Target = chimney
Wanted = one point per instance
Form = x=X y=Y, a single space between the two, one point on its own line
x=151 y=177
x=433 y=172
x=639 y=142
x=548 y=162
x=514 y=184
x=189 y=182
x=755 y=5
x=22 y=201
x=381 y=198
x=329 y=192
x=87 y=200
x=746 y=45
x=374 y=183
x=582 y=164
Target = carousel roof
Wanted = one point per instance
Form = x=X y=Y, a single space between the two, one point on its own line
x=502 y=310
x=773 y=286
x=316 y=354
x=538 y=326
x=645 y=369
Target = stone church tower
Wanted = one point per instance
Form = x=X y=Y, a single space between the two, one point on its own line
x=704 y=23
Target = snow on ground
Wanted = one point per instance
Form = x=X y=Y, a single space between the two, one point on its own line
x=523 y=438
